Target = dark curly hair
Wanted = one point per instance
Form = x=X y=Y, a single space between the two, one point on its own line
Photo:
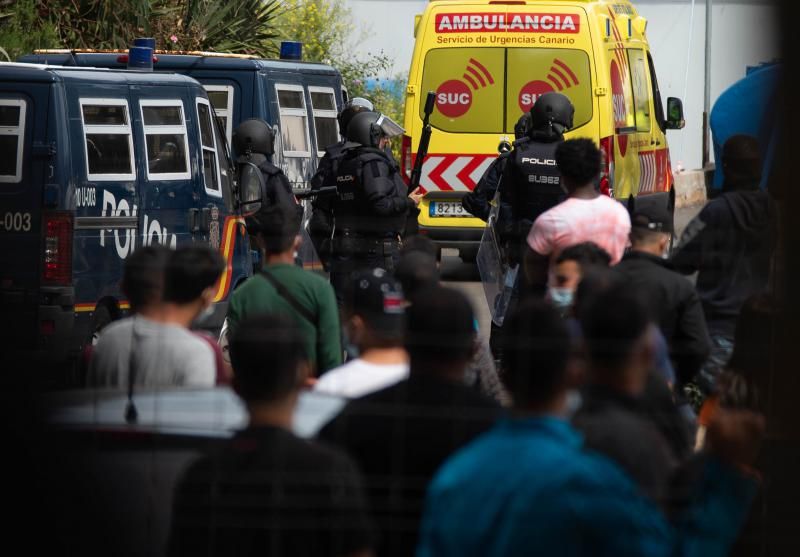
x=578 y=161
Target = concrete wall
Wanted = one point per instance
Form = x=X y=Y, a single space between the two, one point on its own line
x=743 y=34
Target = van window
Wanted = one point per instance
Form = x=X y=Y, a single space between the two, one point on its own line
x=294 y=126
x=221 y=97
x=12 y=130
x=658 y=105
x=209 y=148
x=641 y=90
x=223 y=164
x=486 y=90
x=109 y=142
x=621 y=93
x=323 y=105
x=165 y=136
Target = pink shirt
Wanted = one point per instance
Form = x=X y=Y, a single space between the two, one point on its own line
x=600 y=220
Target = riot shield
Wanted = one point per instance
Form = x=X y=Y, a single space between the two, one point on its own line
x=499 y=280
x=307 y=253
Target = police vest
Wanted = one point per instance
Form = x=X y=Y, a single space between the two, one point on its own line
x=537 y=179
x=353 y=210
x=332 y=159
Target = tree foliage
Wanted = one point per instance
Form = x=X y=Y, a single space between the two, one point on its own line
x=242 y=26
x=326 y=29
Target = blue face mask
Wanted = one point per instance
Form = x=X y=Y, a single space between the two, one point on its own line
x=560 y=297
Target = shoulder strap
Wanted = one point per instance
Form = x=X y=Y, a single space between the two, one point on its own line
x=270 y=169
x=283 y=291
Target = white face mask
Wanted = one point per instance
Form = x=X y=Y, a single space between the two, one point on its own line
x=561 y=298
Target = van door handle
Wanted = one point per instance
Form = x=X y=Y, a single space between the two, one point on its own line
x=194 y=221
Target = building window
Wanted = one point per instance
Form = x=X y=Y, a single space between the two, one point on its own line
x=108 y=139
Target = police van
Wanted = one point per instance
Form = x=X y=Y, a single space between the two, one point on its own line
x=95 y=164
x=488 y=61
x=301 y=99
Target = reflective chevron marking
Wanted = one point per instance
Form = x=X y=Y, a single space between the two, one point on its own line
x=453 y=172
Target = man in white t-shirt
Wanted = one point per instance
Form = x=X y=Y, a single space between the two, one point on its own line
x=374 y=306
x=585 y=216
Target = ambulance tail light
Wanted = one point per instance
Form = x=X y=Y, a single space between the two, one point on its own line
x=405 y=158
x=57 y=261
x=607 y=166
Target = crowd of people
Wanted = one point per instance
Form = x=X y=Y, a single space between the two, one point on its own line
x=618 y=413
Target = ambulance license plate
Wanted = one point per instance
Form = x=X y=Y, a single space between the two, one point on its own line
x=448 y=209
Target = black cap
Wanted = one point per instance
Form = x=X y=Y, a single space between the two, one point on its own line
x=654 y=218
x=378 y=298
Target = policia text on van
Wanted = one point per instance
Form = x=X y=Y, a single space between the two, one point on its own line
x=488 y=62
x=99 y=163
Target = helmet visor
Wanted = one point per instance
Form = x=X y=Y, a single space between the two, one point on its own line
x=361 y=102
x=389 y=127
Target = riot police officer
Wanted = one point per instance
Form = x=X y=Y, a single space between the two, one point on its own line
x=477 y=202
x=531 y=181
x=255 y=143
x=372 y=202
x=320 y=225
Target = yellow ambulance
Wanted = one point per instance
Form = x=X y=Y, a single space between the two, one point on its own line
x=488 y=61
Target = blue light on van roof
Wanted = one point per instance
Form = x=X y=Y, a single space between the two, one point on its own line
x=140 y=58
x=291 y=50
x=147 y=42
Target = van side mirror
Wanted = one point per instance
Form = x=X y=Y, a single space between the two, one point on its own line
x=252 y=187
x=675 y=119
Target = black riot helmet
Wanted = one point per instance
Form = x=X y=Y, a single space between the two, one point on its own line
x=353 y=107
x=367 y=128
x=254 y=136
x=522 y=126
x=363 y=129
x=552 y=114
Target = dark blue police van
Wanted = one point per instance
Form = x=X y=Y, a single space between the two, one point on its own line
x=301 y=99
x=95 y=163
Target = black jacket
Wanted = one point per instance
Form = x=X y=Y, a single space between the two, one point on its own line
x=320 y=225
x=399 y=437
x=279 y=190
x=372 y=197
x=730 y=245
x=478 y=200
x=619 y=427
x=531 y=186
x=674 y=306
